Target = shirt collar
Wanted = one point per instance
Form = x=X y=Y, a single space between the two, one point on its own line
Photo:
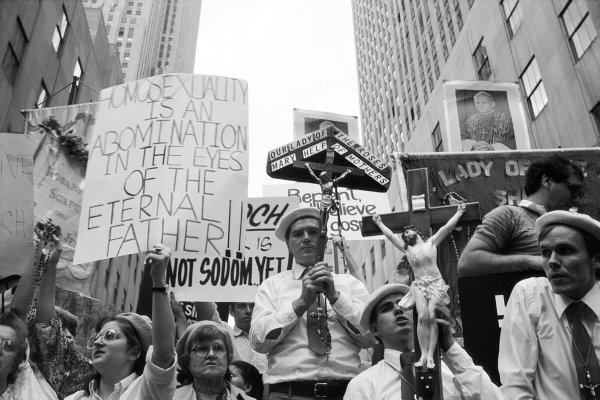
x=120 y=386
x=238 y=332
x=591 y=299
x=531 y=206
x=297 y=270
x=392 y=357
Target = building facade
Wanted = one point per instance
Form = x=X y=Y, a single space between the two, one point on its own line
x=152 y=36
x=406 y=49
x=44 y=44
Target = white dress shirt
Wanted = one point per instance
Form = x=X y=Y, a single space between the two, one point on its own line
x=461 y=379
x=536 y=359
x=278 y=331
x=154 y=384
x=243 y=351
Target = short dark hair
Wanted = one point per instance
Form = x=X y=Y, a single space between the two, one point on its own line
x=11 y=320
x=557 y=168
x=251 y=376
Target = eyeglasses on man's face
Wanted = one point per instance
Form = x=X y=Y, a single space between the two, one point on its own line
x=202 y=350
x=576 y=189
x=107 y=336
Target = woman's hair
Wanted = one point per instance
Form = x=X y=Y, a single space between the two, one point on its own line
x=201 y=334
x=251 y=376
x=133 y=340
x=11 y=320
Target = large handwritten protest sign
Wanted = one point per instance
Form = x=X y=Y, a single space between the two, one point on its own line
x=237 y=279
x=353 y=205
x=16 y=204
x=168 y=164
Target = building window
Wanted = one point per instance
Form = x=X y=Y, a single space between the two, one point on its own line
x=13 y=55
x=596 y=115
x=121 y=32
x=42 y=97
x=383 y=253
x=512 y=11
x=60 y=30
x=436 y=139
x=373 y=266
x=534 y=88
x=579 y=26
x=482 y=62
x=77 y=73
x=364 y=271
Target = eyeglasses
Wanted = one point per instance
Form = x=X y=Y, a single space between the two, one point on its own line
x=202 y=350
x=107 y=336
x=8 y=345
x=576 y=189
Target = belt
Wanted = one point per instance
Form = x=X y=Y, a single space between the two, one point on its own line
x=318 y=389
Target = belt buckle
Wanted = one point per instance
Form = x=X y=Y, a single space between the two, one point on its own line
x=316 y=389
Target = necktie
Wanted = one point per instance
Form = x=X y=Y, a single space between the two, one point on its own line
x=407 y=359
x=586 y=362
x=319 y=338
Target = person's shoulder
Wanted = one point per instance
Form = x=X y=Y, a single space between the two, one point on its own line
x=534 y=284
x=504 y=210
x=277 y=278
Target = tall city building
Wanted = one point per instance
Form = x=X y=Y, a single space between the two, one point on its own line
x=152 y=36
x=406 y=49
x=43 y=46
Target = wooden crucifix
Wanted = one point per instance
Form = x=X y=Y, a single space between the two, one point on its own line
x=424 y=218
x=331 y=159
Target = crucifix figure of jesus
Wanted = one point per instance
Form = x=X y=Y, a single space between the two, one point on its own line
x=429 y=288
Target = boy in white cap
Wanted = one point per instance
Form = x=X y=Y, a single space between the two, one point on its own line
x=550 y=339
x=392 y=378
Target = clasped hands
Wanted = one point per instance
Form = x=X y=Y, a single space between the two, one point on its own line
x=317 y=279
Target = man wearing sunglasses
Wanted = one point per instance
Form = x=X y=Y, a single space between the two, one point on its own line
x=506 y=240
x=393 y=377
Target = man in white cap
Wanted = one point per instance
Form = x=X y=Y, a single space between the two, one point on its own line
x=308 y=319
x=550 y=339
x=393 y=377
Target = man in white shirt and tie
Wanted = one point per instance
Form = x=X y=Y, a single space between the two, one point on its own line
x=308 y=319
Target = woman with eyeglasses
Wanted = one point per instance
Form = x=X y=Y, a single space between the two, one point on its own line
x=124 y=365
x=205 y=352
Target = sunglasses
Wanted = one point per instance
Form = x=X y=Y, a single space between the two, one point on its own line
x=108 y=335
x=8 y=345
x=576 y=189
x=202 y=350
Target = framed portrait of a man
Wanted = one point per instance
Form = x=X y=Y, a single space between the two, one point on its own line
x=484 y=116
x=306 y=121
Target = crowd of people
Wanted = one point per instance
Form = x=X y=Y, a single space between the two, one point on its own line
x=305 y=335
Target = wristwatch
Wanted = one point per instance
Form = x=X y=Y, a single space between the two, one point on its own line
x=161 y=289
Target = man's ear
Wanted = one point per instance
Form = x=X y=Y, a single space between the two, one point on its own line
x=373 y=329
x=230 y=310
x=596 y=265
x=547 y=182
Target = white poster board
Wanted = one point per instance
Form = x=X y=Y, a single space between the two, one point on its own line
x=484 y=116
x=238 y=278
x=168 y=164
x=354 y=205
x=16 y=203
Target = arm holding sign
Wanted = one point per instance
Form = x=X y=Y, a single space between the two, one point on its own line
x=61 y=362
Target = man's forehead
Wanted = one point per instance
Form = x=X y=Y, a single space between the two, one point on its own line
x=305 y=222
x=390 y=298
x=562 y=234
